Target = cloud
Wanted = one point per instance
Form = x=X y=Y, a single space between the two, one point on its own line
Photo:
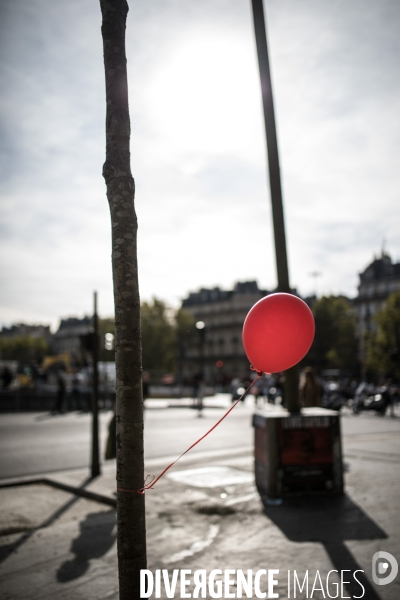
x=197 y=147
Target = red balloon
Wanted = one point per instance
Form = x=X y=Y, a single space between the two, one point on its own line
x=278 y=332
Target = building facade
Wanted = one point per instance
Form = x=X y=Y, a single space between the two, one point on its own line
x=67 y=337
x=380 y=279
x=24 y=330
x=377 y=282
x=219 y=348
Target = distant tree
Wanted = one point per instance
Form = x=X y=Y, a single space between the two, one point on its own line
x=165 y=335
x=158 y=336
x=383 y=347
x=335 y=343
x=24 y=349
x=185 y=327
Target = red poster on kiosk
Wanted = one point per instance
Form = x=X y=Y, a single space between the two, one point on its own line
x=306 y=453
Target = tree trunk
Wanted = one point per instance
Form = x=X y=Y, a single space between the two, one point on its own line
x=129 y=401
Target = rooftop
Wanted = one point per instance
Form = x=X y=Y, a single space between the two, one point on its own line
x=380 y=268
x=205 y=296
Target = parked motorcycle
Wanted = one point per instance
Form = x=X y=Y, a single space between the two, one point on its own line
x=378 y=402
x=362 y=392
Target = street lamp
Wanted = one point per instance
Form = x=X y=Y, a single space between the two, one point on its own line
x=201 y=328
x=109 y=341
x=314 y=275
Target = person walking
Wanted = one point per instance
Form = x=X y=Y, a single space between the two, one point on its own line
x=59 y=405
x=311 y=389
x=76 y=396
x=6 y=377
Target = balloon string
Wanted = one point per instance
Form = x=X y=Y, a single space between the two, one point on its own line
x=152 y=483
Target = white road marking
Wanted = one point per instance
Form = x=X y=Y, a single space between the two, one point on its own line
x=246 y=498
x=196 y=547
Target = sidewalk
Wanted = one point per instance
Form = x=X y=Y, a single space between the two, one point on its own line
x=206 y=514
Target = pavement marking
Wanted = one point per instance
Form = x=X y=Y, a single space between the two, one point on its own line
x=378 y=457
x=198 y=455
x=209 y=477
x=246 y=498
x=371 y=435
x=195 y=548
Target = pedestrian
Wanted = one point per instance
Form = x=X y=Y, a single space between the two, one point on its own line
x=61 y=392
x=388 y=395
x=281 y=386
x=311 y=389
x=197 y=381
x=6 y=377
x=76 y=395
x=258 y=394
x=195 y=386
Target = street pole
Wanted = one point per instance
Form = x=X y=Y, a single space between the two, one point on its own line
x=95 y=392
x=314 y=275
x=201 y=328
x=180 y=351
x=291 y=375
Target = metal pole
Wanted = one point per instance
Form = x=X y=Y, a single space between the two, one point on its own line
x=201 y=328
x=95 y=393
x=291 y=375
x=202 y=358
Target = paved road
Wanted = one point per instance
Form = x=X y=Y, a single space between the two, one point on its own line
x=33 y=443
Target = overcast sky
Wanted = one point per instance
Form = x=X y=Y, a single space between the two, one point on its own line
x=197 y=148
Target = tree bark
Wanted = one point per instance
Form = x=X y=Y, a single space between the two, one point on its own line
x=129 y=402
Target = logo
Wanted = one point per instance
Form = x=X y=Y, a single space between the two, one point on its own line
x=384 y=563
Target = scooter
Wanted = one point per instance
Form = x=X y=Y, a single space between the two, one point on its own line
x=362 y=392
x=378 y=402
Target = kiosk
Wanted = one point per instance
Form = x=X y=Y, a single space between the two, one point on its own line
x=297 y=454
